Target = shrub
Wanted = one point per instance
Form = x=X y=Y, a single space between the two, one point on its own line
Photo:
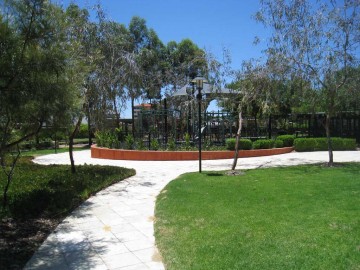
x=338 y=144
x=263 y=144
x=171 y=145
x=288 y=140
x=244 y=144
x=304 y=144
x=187 y=141
x=349 y=144
x=321 y=144
x=278 y=143
x=129 y=141
x=106 y=139
x=140 y=145
x=154 y=144
x=83 y=131
x=230 y=144
x=39 y=190
x=120 y=134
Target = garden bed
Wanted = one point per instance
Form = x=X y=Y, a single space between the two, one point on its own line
x=121 y=154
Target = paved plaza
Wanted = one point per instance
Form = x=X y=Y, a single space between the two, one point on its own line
x=114 y=229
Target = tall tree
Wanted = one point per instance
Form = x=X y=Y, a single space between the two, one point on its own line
x=81 y=55
x=314 y=40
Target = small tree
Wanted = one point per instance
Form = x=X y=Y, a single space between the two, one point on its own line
x=315 y=40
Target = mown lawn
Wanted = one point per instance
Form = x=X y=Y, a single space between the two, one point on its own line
x=304 y=217
x=39 y=198
x=35 y=153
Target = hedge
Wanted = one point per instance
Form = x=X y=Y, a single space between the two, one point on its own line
x=304 y=144
x=263 y=144
x=244 y=144
x=288 y=140
x=278 y=144
x=321 y=144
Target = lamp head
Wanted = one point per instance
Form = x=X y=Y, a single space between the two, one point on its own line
x=199 y=82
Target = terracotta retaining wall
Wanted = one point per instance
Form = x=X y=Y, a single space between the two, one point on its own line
x=120 y=154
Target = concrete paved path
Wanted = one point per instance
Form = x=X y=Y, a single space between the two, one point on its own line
x=114 y=228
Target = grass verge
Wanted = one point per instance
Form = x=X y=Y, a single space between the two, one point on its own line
x=39 y=198
x=35 y=153
x=303 y=217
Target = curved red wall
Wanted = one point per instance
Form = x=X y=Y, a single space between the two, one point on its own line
x=120 y=154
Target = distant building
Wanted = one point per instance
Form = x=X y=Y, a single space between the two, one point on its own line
x=139 y=108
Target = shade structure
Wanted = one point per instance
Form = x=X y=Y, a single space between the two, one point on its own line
x=208 y=89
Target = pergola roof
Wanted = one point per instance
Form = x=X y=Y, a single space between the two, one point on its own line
x=208 y=89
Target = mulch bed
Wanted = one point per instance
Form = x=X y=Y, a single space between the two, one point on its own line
x=19 y=239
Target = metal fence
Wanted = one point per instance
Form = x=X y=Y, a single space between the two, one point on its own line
x=218 y=126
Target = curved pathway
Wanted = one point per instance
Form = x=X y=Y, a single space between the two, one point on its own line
x=114 y=228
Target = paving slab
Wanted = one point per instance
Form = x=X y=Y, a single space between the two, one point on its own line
x=114 y=228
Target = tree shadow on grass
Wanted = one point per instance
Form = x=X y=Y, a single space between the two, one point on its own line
x=214 y=174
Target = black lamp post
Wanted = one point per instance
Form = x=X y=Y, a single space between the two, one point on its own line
x=199 y=84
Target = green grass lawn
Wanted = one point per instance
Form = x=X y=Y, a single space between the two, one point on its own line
x=34 y=153
x=304 y=217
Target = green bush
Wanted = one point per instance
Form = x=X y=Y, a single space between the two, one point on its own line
x=278 y=143
x=321 y=144
x=288 y=140
x=171 y=145
x=187 y=141
x=263 y=144
x=230 y=144
x=338 y=144
x=154 y=144
x=140 y=144
x=120 y=134
x=45 y=144
x=53 y=190
x=83 y=131
x=129 y=141
x=244 y=144
x=349 y=144
x=304 y=144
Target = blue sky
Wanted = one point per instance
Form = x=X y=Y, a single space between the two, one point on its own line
x=211 y=24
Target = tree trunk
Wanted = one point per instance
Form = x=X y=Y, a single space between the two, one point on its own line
x=132 y=117
x=117 y=115
x=238 y=135
x=89 y=125
x=328 y=136
x=9 y=174
x=71 y=144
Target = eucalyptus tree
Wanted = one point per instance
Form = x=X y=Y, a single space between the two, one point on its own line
x=152 y=65
x=251 y=87
x=115 y=67
x=81 y=56
x=183 y=60
x=314 y=40
x=148 y=51
x=261 y=91
x=349 y=93
x=139 y=39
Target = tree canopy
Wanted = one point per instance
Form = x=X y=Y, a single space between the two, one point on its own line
x=314 y=40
